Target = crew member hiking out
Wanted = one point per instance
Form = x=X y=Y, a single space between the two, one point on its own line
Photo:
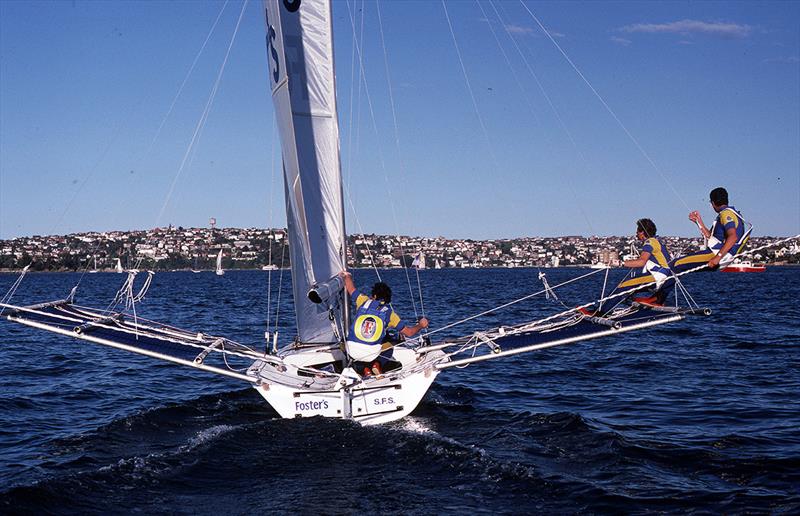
x=653 y=263
x=726 y=238
x=373 y=316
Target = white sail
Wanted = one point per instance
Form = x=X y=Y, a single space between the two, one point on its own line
x=300 y=55
x=220 y=271
x=119 y=268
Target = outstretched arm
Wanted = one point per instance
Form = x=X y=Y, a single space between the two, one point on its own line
x=410 y=331
x=697 y=219
x=639 y=262
x=349 y=286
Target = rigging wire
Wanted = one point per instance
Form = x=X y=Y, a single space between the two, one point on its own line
x=185 y=80
x=203 y=117
x=620 y=294
x=605 y=105
x=546 y=96
x=116 y=133
x=469 y=88
x=383 y=165
x=280 y=282
x=403 y=169
x=270 y=223
x=152 y=142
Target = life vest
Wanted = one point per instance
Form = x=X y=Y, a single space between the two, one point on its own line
x=717 y=238
x=370 y=323
x=658 y=262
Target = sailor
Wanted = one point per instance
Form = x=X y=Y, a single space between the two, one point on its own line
x=654 y=264
x=726 y=238
x=373 y=316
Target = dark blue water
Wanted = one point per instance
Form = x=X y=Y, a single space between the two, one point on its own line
x=701 y=416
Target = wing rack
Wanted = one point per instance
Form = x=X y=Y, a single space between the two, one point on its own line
x=136 y=335
x=573 y=327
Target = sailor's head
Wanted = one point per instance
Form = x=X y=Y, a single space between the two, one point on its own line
x=382 y=292
x=718 y=198
x=645 y=228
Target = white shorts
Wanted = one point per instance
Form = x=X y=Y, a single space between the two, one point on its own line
x=361 y=352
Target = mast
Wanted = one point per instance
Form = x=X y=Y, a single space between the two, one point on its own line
x=301 y=77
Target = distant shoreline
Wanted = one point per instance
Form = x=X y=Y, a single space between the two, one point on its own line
x=15 y=271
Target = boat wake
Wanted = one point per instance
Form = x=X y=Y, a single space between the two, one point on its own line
x=171 y=454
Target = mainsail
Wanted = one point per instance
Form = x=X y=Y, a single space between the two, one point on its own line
x=301 y=75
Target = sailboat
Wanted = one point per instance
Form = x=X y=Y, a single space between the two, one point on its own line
x=632 y=254
x=312 y=375
x=437 y=264
x=419 y=261
x=219 y=271
x=94 y=270
x=118 y=268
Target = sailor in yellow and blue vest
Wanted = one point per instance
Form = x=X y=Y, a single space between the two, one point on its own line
x=726 y=238
x=655 y=270
x=371 y=319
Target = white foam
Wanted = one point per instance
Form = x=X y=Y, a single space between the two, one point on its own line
x=209 y=434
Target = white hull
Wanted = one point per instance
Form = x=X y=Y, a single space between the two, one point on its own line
x=295 y=391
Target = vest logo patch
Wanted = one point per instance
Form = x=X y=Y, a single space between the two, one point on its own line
x=368 y=328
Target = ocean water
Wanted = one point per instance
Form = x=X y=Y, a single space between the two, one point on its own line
x=700 y=416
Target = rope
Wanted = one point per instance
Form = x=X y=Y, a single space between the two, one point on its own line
x=506 y=305
x=13 y=289
x=469 y=88
x=270 y=224
x=203 y=117
x=632 y=290
x=605 y=104
x=545 y=134
x=601 y=300
x=390 y=195
x=280 y=281
x=605 y=282
x=400 y=160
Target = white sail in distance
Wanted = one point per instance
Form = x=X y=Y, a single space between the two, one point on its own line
x=219 y=269
x=301 y=75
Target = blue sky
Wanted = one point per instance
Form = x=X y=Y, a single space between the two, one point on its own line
x=710 y=91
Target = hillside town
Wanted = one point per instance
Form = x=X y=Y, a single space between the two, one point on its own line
x=178 y=248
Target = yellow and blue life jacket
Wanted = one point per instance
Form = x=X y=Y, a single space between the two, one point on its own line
x=371 y=320
x=727 y=218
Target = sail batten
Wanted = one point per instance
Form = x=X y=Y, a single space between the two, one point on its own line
x=301 y=73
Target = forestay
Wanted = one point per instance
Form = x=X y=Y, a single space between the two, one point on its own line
x=301 y=75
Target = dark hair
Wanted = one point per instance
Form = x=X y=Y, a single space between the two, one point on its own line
x=647 y=226
x=382 y=292
x=719 y=196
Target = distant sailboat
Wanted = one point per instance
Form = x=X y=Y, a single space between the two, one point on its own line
x=219 y=271
x=633 y=253
x=437 y=265
x=95 y=266
x=419 y=261
x=118 y=267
